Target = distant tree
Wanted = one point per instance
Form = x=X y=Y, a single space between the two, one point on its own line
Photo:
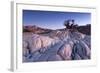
x=70 y=24
x=66 y=23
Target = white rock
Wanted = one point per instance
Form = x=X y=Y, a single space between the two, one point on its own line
x=65 y=51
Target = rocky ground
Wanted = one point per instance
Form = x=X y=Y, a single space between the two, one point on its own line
x=56 y=45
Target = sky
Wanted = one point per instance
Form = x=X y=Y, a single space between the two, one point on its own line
x=53 y=19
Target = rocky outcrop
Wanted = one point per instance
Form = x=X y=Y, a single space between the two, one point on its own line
x=56 y=45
